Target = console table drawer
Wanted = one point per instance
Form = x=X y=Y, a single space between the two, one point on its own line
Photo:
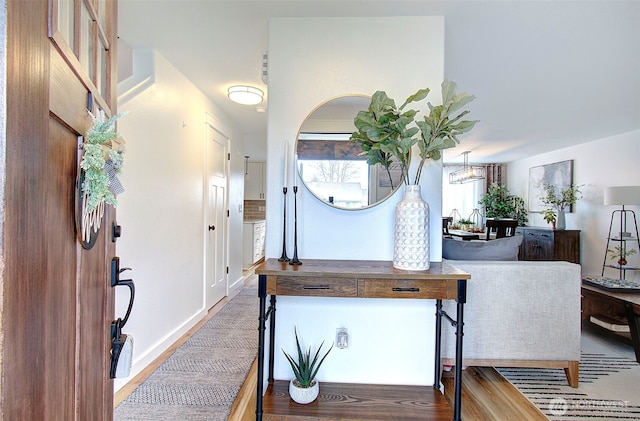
x=320 y=287
x=409 y=288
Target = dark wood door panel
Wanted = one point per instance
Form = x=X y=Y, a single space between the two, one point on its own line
x=68 y=97
x=60 y=282
x=57 y=303
x=95 y=315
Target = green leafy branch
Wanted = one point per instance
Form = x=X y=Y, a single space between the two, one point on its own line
x=386 y=133
x=563 y=198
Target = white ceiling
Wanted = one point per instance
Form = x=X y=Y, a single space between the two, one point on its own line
x=546 y=74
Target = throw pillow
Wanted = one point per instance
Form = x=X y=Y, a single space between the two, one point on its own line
x=499 y=249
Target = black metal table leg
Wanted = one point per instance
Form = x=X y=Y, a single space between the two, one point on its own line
x=436 y=380
x=272 y=336
x=262 y=295
x=634 y=329
x=462 y=299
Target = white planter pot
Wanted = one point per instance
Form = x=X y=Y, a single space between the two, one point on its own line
x=411 y=239
x=304 y=395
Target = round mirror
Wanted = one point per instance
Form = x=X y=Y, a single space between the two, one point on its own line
x=332 y=167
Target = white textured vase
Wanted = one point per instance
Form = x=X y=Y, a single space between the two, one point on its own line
x=561 y=222
x=411 y=239
x=304 y=395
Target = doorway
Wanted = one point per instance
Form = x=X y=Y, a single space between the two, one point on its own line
x=217 y=165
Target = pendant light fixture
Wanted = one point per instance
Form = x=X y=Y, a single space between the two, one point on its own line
x=245 y=95
x=468 y=173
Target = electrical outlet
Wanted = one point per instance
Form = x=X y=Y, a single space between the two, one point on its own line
x=240 y=208
x=342 y=337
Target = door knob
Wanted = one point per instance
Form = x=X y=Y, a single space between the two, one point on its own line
x=212 y=227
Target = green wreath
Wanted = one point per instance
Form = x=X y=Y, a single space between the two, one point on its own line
x=101 y=161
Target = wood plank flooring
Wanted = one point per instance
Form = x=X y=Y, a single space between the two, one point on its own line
x=486 y=395
x=358 y=402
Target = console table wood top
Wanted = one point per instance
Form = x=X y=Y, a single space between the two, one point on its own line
x=359 y=268
x=360 y=279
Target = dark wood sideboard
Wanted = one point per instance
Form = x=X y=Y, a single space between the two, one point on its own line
x=541 y=243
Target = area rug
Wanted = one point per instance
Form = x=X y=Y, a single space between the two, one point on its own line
x=201 y=379
x=609 y=387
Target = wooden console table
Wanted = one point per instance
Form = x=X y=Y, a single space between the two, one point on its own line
x=360 y=279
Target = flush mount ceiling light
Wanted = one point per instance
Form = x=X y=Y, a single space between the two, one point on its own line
x=468 y=173
x=246 y=95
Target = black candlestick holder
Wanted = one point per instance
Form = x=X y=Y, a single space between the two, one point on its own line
x=295 y=260
x=284 y=257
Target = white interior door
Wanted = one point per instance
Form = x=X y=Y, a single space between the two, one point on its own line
x=216 y=250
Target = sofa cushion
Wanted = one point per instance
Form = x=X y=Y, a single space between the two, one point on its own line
x=499 y=249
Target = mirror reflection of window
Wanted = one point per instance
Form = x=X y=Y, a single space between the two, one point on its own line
x=332 y=167
x=338 y=182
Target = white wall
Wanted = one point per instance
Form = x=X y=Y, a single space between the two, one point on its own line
x=162 y=211
x=612 y=161
x=255 y=146
x=311 y=61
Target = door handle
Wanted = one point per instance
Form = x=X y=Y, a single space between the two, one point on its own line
x=118 y=339
x=116 y=281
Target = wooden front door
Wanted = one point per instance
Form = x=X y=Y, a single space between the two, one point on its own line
x=57 y=299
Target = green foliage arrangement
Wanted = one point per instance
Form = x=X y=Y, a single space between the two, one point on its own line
x=562 y=199
x=557 y=201
x=619 y=252
x=499 y=203
x=101 y=143
x=305 y=369
x=386 y=133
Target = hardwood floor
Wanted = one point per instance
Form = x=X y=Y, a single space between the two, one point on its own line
x=486 y=395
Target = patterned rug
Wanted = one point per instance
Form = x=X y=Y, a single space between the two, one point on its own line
x=609 y=387
x=201 y=379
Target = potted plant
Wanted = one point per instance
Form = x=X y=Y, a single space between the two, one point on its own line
x=304 y=388
x=465 y=224
x=499 y=203
x=558 y=201
x=621 y=253
x=387 y=133
x=550 y=217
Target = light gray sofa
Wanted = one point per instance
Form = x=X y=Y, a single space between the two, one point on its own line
x=518 y=314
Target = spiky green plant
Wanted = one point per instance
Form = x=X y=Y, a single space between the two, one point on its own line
x=305 y=369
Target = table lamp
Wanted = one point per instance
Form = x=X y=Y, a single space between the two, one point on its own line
x=622 y=195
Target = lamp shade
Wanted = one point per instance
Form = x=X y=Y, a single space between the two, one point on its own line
x=246 y=95
x=622 y=195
